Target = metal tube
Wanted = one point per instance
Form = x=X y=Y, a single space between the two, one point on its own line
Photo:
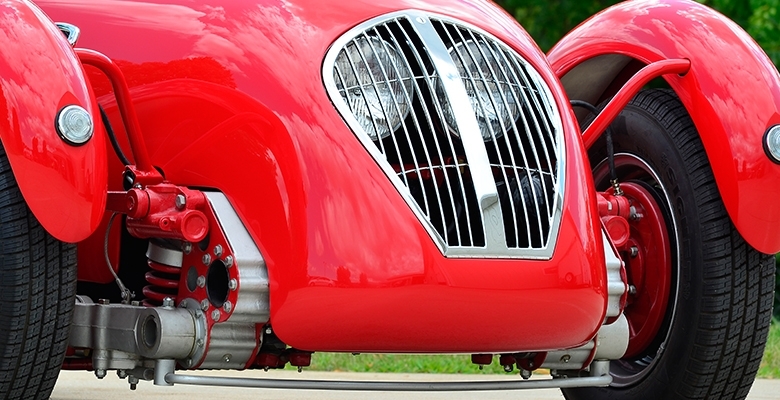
x=126 y=108
x=628 y=91
x=388 y=385
x=163 y=368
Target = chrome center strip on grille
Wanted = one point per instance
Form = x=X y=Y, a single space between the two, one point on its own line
x=406 y=96
x=473 y=145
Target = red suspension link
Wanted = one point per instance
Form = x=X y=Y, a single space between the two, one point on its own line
x=162 y=211
x=615 y=211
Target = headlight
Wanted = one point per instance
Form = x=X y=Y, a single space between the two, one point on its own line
x=485 y=79
x=74 y=125
x=772 y=143
x=376 y=83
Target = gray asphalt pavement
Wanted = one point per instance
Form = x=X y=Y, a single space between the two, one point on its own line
x=81 y=385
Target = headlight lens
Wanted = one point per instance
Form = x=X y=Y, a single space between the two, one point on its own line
x=74 y=125
x=485 y=79
x=772 y=143
x=376 y=83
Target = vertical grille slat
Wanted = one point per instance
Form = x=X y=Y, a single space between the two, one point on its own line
x=510 y=228
x=458 y=168
x=529 y=135
x=507 y=147
x=444 y=29
x=547 y=147
x=393 y=80
x=383 y=106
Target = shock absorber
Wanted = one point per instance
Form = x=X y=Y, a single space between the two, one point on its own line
x=163 y=279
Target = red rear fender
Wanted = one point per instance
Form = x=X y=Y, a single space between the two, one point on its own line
x=64 y=185
x=732 y=92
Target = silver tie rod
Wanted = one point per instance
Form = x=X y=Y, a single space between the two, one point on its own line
x=170 y=378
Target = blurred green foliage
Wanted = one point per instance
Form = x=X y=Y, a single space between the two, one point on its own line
x=548 y=20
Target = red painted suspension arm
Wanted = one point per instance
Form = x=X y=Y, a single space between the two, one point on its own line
x=163 y=211
x=627 y=92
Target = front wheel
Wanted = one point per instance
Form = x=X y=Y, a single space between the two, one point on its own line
x=701 y=298
x=37 y=289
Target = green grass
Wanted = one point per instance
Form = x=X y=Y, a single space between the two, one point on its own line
x=401 y=363
x=461 y=364
x=770 y=365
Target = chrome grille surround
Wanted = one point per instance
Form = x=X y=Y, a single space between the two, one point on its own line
x=497 y=197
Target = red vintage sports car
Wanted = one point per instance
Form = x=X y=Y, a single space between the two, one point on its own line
x=205 y=184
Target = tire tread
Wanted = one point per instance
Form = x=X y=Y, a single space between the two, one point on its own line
x=37 y=286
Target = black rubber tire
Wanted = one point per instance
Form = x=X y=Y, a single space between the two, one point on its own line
x=714 y=344
x=37 y=289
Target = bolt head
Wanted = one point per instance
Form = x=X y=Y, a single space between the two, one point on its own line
x=218 y=250
x=226 y=358
x=201 y=281
x=206 y=259
x=180 y=201
x=228 y=261
x=228 y=306
x=233 y=284
x=268 y=331
x=204 y=304
x=187 y=247
x=215 y=315
x=167 y=302
x=634 y=251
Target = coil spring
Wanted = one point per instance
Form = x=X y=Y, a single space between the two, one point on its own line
x=163 y=282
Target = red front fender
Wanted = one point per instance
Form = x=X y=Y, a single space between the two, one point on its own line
x=64 y=185
x=732 y=93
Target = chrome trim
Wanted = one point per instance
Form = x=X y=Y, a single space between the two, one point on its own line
x=473 y=145
x=71 y=32
x=597 y=379
x=533 y=157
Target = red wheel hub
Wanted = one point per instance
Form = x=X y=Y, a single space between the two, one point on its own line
x=647 y=255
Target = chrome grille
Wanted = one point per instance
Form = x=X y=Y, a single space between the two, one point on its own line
x=463 y=126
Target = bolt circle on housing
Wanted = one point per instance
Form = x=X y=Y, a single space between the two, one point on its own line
x=649 y=272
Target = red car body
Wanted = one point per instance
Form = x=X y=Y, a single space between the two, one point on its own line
x=229 y=97
x=210 y=104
